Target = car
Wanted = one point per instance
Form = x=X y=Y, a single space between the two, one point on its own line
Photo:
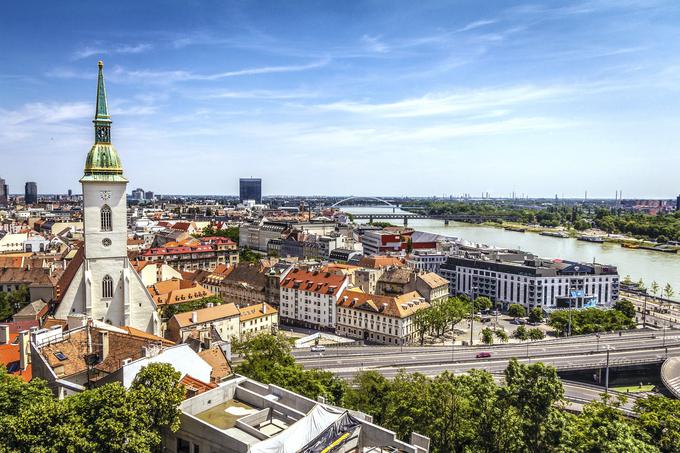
x=486 y=319
x=483 y=355
x=318 y=348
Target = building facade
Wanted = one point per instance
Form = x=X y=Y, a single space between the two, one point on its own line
x=379 y=319
x=308 y=298
x=250 y=189
x=106 y=287
x=31 y=193
x=513 y=277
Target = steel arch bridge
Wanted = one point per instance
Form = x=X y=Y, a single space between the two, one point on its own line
x=386 y=203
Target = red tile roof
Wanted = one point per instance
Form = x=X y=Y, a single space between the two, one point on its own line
x=314 y=281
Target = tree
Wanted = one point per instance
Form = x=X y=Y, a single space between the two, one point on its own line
x=107 y=418
x=535 y=392
x=654 y=288
x=641 y=285
x=626 y=307
x=487 y=335
x=602 y=428
x=536 y=315
x=517 y=311
x=482 y=303
x=248 y=256
x=668 y=291
x=627 y=280
x=501 y=335
x=157 y=393
x=368 y=394
x=520 y=333
x=659 y=418
x=535 y=334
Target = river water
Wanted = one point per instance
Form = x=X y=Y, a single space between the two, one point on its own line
x=646 y=264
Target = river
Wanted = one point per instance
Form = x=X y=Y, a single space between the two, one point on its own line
x=648 y=265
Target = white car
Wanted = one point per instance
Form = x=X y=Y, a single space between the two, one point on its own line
x=318 y=348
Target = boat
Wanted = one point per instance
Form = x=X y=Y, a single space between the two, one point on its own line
x=596 y=239
x=659 y=249
x=554 y=234
x=628 y=245
x=515 y=229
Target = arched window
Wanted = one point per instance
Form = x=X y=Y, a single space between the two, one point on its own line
x=106 y=218
x=107 y=287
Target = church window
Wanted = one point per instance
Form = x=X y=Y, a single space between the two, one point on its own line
x=106 y=219
x=107 y=287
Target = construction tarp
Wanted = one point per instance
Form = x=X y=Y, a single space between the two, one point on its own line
x=342 y=435
x=299 y=433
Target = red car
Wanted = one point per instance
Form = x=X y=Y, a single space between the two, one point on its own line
x=483 y=355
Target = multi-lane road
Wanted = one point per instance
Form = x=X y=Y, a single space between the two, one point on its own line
x=583 y=352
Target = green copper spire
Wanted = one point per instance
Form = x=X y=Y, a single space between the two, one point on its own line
x=102 y=112
x=103 y=162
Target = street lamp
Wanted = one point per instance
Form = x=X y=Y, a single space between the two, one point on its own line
x=606 y=375
x=472 y=313
x=598 y=342
x=570 y=300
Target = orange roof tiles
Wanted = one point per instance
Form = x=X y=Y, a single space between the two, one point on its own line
x=378 y=262
x=218 y=361
x=176 y=291
x=207 y=314
x=313 y=281
x=398 y=307
x=256 y=311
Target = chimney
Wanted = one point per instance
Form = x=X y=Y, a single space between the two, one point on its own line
x=24 y=350
x=105 y=345
x=264 y=308
x=194 y=317
x=4 y=334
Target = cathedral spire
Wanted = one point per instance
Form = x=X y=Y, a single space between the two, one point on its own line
x=102 y=120
x=103 y=162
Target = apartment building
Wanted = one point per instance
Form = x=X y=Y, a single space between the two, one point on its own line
x=425 y=260
x=379 y=319
x=207 y=255
x=308 y=298
x=515 y=277
x=381 y=242
x=258 y=318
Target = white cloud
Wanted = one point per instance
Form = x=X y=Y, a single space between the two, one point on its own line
x=163 y=77
x=449 y=102
x=89 y=51
x=374 y=44
x=477 y=24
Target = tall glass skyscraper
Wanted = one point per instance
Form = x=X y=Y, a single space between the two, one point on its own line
x=250 y=189
x=31 y=193
x=4 y=193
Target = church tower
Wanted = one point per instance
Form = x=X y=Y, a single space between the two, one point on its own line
x=106 y=287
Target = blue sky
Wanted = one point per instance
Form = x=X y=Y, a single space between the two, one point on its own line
x=376 y=97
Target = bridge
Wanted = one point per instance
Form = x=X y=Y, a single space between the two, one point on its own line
x=379 y=200
x=446 y=218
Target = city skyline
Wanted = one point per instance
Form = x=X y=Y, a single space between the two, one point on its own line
x=447 y=99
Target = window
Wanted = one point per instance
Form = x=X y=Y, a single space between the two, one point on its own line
x=107 y=287
x=106 y=218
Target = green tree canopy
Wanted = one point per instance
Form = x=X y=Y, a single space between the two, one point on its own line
x=517 y=311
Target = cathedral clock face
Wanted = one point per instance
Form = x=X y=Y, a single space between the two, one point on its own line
x=106 y=242
x=105 y=195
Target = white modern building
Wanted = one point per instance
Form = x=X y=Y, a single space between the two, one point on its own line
x=425 y=260
x=106 y=287
x=515 y=277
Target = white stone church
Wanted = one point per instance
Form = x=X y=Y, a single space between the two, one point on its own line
x=106 y=287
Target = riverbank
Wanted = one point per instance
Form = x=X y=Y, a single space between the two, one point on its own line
x=629 y=242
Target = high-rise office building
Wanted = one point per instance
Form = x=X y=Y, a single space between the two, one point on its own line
x=4 y=193
x=677 y=203
x=148 y=195
x=250 y=189
x=31 y=193
x=138 y=194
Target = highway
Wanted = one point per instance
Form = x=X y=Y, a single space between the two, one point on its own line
x=583 y=352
